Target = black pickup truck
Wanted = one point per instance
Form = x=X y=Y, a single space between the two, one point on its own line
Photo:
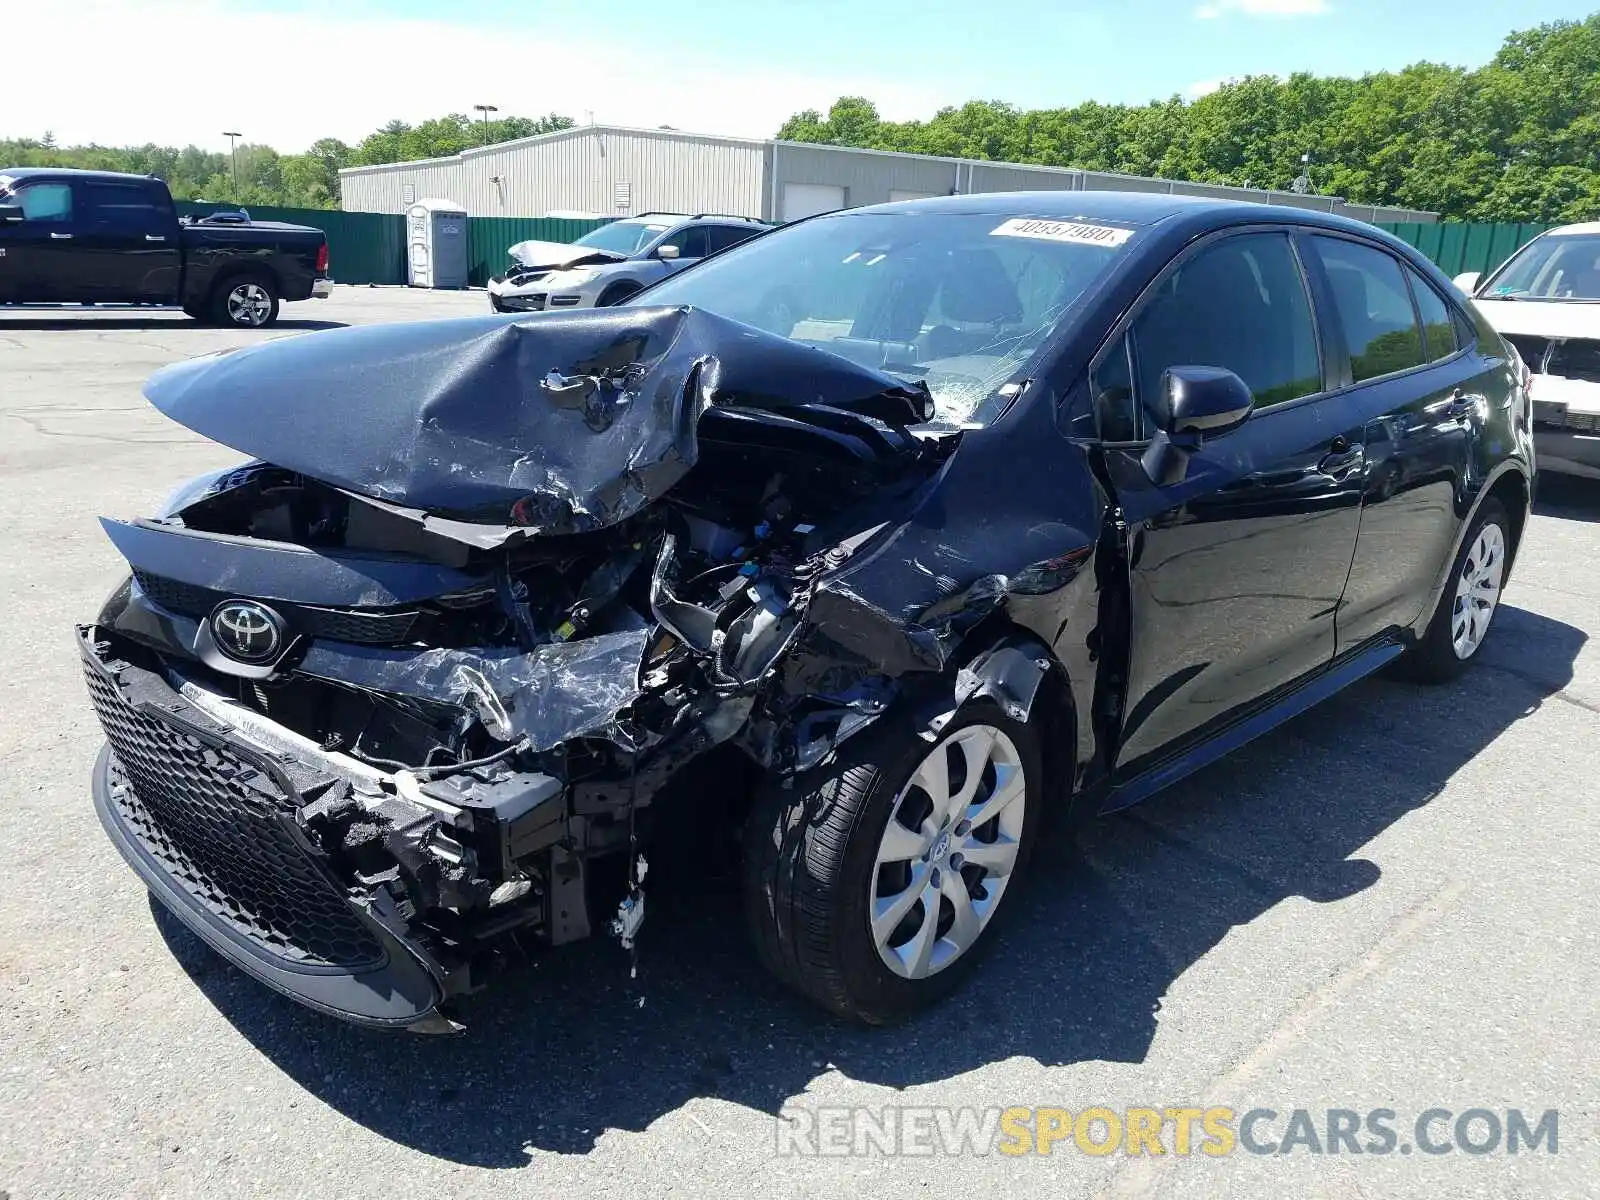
x=93 y=237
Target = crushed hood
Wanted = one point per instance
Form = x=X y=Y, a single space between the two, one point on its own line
x=558 y=423
x=1542 y=318
x=549 y=255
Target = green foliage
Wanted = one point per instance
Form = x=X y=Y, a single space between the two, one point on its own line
x=1518 y=139
x=265 y=177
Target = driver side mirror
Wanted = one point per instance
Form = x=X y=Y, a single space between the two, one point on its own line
x=1201 y=403
x=10 y=214
x=668 y=252
x=1468 y=282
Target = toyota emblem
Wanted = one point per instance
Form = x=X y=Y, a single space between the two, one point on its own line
x=247 y=631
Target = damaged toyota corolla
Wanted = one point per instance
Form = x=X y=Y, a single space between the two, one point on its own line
x=927 y=522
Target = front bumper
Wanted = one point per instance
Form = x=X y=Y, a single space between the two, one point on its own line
x=321 y=289
x=206 y=819
x=1566 y=425
x=505 y=296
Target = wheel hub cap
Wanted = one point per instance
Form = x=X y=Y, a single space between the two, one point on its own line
x=1477 y=591
x=947 y=851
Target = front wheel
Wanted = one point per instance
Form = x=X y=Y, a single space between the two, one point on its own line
x=873 y=884
x=246 y=303
x=616 y=294
x=1461 y=622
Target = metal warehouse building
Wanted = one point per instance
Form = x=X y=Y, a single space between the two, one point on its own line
x=608 y=170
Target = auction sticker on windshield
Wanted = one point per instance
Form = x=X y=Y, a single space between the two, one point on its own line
x=1062 y=231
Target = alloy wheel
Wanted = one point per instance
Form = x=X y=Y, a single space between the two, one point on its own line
x=249 y=304
x=948 y=851
x=1478 y=590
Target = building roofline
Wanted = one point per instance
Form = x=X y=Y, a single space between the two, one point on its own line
x=472 y=152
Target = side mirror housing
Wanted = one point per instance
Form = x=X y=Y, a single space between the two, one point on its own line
x=667 y=252
x=10 y=214
x=1202 y=403
x=1467 y=282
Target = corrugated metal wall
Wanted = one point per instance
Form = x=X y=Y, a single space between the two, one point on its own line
x=488 y=239
x=362 y=247
x=596 y=169
x=1459 y=246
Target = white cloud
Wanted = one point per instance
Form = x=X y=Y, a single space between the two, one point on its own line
x=1263 y=8
x=1203 y=87
x=180 y=71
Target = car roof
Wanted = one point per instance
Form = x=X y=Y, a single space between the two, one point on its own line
x=1128 y=208
x=19 y=173
x=1567 y=230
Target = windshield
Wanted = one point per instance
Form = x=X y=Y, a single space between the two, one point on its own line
x=958 y=301
x=621 y=237
x=1552 y=267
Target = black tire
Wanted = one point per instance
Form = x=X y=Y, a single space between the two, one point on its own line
x=224 y=311
x=616 y=294
x=810 y=868
x=1434 y=658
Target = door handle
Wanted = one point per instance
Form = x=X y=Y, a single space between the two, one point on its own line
x=61 y=237
x=1342 y=458
x=150 y=237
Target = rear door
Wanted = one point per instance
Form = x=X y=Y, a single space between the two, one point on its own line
x=39 y=264
x=691 y=243
x=1418 y=388
x=128 y=241
x=1236 y=572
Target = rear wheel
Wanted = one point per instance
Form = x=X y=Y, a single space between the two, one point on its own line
x=1461 y=622
x=872 y=885
x=246 y=302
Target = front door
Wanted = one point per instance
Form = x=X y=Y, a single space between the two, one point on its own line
x=1235 y=573
x=40 y=265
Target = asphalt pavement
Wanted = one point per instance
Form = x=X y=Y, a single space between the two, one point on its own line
x=1390 y=903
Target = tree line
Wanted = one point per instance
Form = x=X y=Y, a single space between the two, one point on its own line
x=265 y=177
x=1517 y=139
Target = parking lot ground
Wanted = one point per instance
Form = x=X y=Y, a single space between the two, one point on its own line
x=1389 y=903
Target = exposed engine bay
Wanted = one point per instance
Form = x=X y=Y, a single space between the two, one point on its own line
x=469 y=637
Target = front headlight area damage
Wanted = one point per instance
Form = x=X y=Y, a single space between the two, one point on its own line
x=456 y=741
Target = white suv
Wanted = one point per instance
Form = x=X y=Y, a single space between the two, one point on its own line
x=1545 y=301
x=609 y=264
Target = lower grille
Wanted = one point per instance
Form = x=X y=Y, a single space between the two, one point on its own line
x=369 y=627
x=217 y=824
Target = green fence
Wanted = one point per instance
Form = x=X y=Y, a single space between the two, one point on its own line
x=362 y=247
x=1458 y=246
x=371 y=247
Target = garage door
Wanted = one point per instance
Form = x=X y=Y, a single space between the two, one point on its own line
x=809 y=199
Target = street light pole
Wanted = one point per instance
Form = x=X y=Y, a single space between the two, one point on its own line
x=485 y=109
x=233 y=153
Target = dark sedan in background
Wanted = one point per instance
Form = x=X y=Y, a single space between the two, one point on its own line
x=856 y=550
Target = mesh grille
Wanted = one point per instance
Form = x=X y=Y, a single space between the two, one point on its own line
x=370 y=627
x=211 y=820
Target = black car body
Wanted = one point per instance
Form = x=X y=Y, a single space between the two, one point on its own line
x=491 y=590
x=95 y=237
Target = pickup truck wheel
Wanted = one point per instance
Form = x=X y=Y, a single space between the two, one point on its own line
x=872 y=884
x=246 y=302
x=1461 y=622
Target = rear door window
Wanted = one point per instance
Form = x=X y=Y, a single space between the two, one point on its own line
x=1240 y=304
x=128 y=206
x=1374 y=306
x=1438 y=323
x=722 y=236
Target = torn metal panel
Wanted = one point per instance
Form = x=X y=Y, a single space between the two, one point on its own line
x=561 y=424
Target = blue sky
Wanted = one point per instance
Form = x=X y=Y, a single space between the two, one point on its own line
x=709 y=65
